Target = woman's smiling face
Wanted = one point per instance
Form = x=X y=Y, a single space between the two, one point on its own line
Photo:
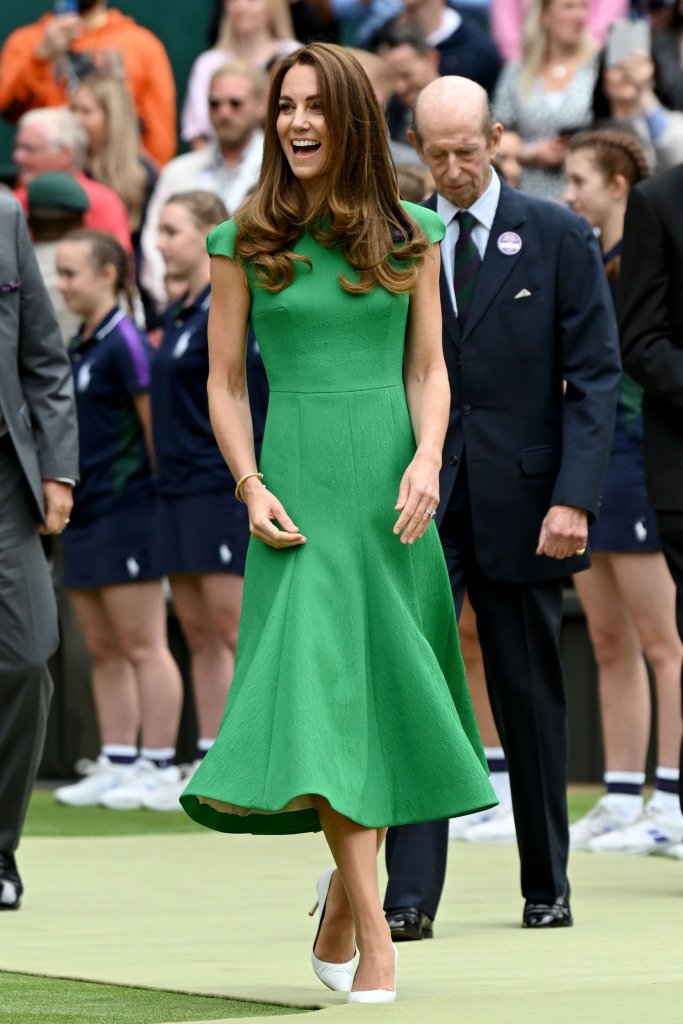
x=302 y=128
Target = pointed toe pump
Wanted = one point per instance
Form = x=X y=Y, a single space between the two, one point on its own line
x=377 y=995
x=338 y=977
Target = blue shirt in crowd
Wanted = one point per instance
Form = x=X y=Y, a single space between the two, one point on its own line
x=188 y=458
x=110 y=368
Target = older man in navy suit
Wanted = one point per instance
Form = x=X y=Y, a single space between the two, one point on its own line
x=531 y=346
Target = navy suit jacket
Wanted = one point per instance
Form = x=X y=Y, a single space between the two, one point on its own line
x=651 y=319
x=533 y=385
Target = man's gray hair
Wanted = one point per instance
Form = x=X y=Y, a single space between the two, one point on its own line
x=62 y=130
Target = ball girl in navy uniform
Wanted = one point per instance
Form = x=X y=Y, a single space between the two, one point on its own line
x=112 y=576
x=628 y=594
x=203 y=531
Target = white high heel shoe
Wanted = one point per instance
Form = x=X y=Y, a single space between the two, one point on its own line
x=377 y=995
x=338 y=977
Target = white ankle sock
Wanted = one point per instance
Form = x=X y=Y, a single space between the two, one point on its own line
x=161 y=757
x=624 y=793
x=665 y=797
x=120 y=753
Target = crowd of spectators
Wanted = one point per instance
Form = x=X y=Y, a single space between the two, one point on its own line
x=97 y=147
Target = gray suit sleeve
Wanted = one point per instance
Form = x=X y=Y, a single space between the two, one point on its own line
x=44 y=369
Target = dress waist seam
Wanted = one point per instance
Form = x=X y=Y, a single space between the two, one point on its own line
x=333 y=391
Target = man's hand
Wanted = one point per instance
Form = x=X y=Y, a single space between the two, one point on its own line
x=58 y=504
x=59 y=34
x=564 y=532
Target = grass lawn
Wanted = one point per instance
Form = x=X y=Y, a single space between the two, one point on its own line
x=29 y=999
x=48 y=818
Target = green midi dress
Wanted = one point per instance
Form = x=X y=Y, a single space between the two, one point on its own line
x=349 y=681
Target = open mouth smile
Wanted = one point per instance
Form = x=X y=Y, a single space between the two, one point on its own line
x=304 y=148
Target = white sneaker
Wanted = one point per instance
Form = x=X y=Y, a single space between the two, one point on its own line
x=652 y=832
x=165 y=795
x=100 y=777
x=500 y=828
x=601 y=820
x=144 y=779
x=458 y=826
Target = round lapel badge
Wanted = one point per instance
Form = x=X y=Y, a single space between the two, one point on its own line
x=509 y=243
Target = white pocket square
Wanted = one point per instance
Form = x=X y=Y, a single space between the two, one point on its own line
x=523 y=294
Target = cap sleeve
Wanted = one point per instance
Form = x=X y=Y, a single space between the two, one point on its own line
x=221 y=241
x=430 y=222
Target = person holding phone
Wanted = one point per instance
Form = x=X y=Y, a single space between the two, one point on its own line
x=625 y=96
x=547 y=93
x=40 y=64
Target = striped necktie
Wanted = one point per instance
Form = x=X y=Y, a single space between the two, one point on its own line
x=466 y=266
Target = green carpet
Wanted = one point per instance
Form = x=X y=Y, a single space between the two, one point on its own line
x=27 y=999
x=226 y=916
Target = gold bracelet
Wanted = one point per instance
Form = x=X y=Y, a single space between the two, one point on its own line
x=241 y=481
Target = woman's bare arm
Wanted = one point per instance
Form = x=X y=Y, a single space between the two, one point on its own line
x=229 y=401
x=429 y=397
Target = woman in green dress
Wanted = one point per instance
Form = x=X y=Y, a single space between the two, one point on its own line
x=349 y=710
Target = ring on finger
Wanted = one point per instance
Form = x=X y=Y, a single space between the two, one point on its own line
x=429 y=513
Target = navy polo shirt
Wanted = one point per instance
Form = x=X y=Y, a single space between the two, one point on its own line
x=189 y=460
x=110 y=368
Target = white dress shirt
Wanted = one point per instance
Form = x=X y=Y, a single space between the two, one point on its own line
x=484 y=209
x=200 y=169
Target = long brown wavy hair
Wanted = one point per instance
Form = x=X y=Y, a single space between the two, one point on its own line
x=359 y=209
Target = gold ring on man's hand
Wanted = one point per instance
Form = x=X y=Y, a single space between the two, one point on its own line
x=581 y=551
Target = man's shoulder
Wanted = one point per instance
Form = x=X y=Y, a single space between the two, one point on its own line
x=544 y=212
x=188 y=166
x=9 y=205
x=98 y=193
x=468 y=33
x=28 y=35
x=667 y=184
x=121 y=24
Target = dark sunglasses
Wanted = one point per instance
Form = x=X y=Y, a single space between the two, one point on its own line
x=218 y=101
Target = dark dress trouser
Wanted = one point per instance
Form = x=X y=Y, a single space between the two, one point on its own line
x=670 y=529
x=28 y=634
x=519 y=629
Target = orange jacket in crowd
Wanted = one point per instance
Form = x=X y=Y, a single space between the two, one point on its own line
x=27 y=82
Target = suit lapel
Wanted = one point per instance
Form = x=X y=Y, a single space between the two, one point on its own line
x=496 y=266
x=451 y=327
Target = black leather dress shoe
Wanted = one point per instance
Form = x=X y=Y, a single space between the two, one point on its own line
x=10 y=883
x=408 y=924
x=548 y=915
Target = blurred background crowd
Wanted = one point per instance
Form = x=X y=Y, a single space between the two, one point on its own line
x=124 y=161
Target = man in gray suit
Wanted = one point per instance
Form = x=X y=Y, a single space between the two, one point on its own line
x=38 y=467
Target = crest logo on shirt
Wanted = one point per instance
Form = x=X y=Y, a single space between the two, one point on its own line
x=84 y=377
x=182 y=344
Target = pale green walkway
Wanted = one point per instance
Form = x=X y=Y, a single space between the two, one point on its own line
x=216 y=914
